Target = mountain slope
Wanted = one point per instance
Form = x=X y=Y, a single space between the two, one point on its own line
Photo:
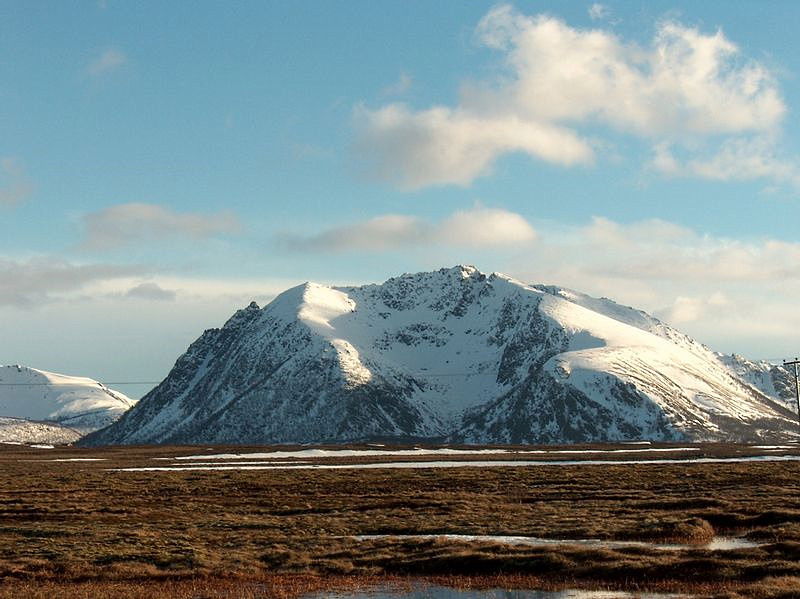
x=35 y=404
x=452 y=354
x=20 y=431
x=774 y=380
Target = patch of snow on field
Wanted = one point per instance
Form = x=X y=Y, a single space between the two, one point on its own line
x=354 y=453
x=466 y=464
x=716 y=544
x=342 y=453
x=435 y=592
x=70 y=460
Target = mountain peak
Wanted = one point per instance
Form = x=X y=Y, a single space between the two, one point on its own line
x=465 y=270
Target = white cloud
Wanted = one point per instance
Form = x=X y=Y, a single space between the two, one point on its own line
x=599 y=11
x=684 y=83
x=109 y=60
x=14 y=184
x=42 y=280
x=684 y=88
x=655 y=250
x=485 y=227
x=733 y=294
x=476 y=228
x=384 y=232
x=123 y=224
x=443 y=146
x=741 y=159
x=690 y=309
x=96 y=330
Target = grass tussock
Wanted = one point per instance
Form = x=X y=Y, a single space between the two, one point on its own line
x=686 y=531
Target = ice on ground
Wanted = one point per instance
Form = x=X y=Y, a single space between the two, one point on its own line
x=434 y=592
x=715 y=544
x=347 y=453
x=70 y=460
x=341 y=453
x=468 y=464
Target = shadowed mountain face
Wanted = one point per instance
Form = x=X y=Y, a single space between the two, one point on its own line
x=452 y=355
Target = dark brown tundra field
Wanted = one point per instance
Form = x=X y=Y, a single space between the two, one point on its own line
x=73 y=525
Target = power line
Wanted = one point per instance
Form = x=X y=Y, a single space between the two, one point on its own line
x=107 y=384
x=78 y=384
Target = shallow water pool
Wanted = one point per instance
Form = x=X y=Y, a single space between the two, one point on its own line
x=716 y=544
x=436 y=592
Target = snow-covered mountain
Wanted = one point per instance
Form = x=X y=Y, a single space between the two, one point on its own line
x=452 y=355
x=45 y=407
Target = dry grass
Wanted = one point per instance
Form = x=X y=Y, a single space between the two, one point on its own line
x=74 y=529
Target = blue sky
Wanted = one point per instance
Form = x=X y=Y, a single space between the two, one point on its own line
x=161 y=164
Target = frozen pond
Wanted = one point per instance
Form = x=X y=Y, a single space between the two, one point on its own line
x=716 y=544
x=435 y=592
x=460 y=464
x=355 y=453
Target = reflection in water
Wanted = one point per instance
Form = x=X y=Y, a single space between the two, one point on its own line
x=433 y=592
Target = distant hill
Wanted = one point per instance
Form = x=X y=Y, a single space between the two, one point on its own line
x=44 y=407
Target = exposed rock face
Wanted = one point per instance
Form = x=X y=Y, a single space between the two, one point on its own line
x=448 y=355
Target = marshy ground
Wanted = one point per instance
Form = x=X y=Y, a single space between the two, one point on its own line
x=86 y=529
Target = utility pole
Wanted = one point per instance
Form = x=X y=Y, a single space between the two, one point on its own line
x=794 y=363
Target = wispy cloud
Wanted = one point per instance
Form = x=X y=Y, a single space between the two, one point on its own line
x=659 y=250
x=478 y=227
x=727 y=292
x=14 y=183
x=742 y=159
x=151 y=291
x=109 y=60
x=599 y=11
x=31 y=282
x=686 y=89
x=399 y=87
x=124 y=224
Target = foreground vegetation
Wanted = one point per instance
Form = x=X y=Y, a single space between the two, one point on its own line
x=78 y=529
